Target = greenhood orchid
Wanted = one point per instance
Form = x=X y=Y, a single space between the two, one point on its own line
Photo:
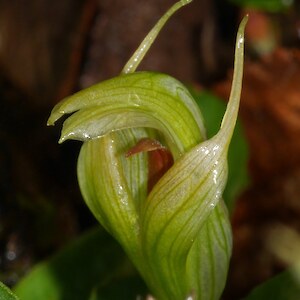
x=150 y=177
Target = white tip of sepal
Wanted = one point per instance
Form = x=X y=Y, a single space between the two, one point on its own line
x=185 y=2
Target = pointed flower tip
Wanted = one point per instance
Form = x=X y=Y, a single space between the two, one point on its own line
x=61 y=140
x=230 y=116
x=243 y=24
x=64 y=137
x=54 y=116
x=241 y=32
x=56 y=113
x=51 y=121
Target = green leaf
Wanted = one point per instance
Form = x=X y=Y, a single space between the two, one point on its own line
x=213 y=109
x=76 y=270
x=281 y=287
x=127 y=288
x=267 y=5
x=6 y=293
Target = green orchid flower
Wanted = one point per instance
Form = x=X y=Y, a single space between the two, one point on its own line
x=150 y=177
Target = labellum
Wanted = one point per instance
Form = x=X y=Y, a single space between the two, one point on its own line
x=159 y=159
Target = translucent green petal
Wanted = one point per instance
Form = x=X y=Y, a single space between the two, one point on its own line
x=176 y=210
x=208 y=259
x=112 y=185
x=135 y=100
x=182 y=201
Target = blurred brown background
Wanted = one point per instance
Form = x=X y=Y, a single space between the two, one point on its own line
x=50 y=49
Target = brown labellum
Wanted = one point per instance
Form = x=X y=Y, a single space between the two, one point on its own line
x=160 y=158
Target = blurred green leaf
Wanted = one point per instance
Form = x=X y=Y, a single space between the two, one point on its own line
x=127 y=288
x=6 y=293
x=281 y=287
x=213 y=110
x=267 y=5
x=75 y=271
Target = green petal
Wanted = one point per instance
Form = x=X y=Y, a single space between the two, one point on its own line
x=180 y=203
x=141 y=99
x=208 y=259
x=176 y=210
x=113 y=186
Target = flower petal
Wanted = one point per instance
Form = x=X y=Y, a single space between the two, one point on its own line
x=208 y=260
x=186 y=196
x=113 y=186
x=142 y=99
